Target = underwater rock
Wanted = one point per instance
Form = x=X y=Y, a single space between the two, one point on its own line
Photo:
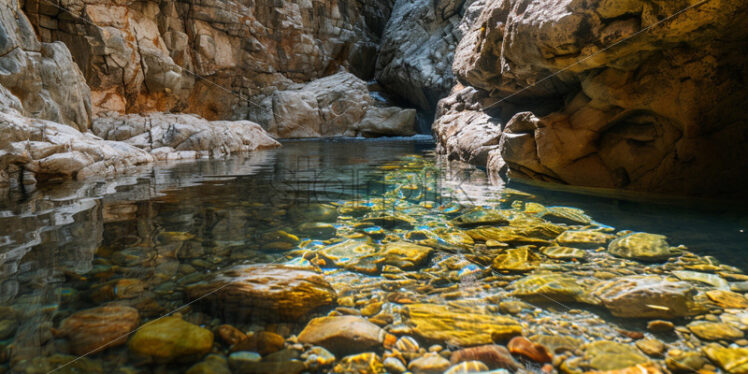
x=230 y=334
x=660 y=326
x=430 y=363
x=343 y=335
x=684 y=362
x=583 y=238
x=317 y=357
x=405 y=255
x=646 y=297
x=170 y=338
x=695 y=276
x=458 y=327
x=262 y=342
x=494 y=356
x=714 y=330
x=566 y=215
x=564 y=253
x=317 y=230
x=505 y=234
x=545 y=288
x=313 y=212
x=648 y=368
x=243 y=361
x=266 y=291
x=7 y=328
x=467 y=367
x=347 y=252
x=93 y=330
x=732 y=360
x=607 y=355
x=643 y=247
x=212 y=364
x=520 y=345
x=516 y=259
x=53 y=363
x=481 y=217
x=727 y=299
x=390 y=221
x=558 y=343
x=364 y=363
x=407 y=344
x=651 y=347
x=394 y=365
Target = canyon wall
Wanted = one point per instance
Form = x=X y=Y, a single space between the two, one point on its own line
x=611 y=94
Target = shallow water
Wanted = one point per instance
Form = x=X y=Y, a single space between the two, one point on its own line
x=63 y=249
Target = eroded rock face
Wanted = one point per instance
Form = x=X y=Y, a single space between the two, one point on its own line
x=39 y=79
x=661 y=112
x=168 y=56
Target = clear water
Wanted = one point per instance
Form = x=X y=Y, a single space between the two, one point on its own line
x=59 y=246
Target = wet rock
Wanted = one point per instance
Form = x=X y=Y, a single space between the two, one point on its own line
x=313 y=212
x=648 y=368
x=230 y=334
x=557 y=343
x=608 y=355
x=660 y=326
x=492 y=355
x=7 y=328
x=54 y=362
x=430 y=363
x=583 y=238
x=651 y=347
x=96 y=329
x=170 y=338
x=394 y=365
x=390 y=221
x=516 y=259
x=317 y=357
x=405 y=255
x=467 y=367
x=646 y=297
x=244 y=361
x=457 y=327
x=564 y=253
x=317 y=230
x=513 y=307
x=714 y=330
x=266 y=291
x=727 y=299
x=696 y=276
x=566 y=215
x=343 y=335
x=348 y=252
x=212 y=364
x=642 y=246
x=407 y=344
x=544 y=288
x=364 y=363
x=684 y=362
x=534 y=351
x=481 y=217
x=732 y=360
x=389 y=121
x=262 y=342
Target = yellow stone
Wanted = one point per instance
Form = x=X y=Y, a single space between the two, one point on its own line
x=171 y=337
x=457 y=327
x=516 y=259
x=733 y=360
x=727 y=299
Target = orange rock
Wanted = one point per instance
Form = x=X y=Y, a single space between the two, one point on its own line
x=263 y=342
x=389 y=341
x=648 y=368
x=230 y=334
x=494 y=356
x=93 y=330
x=520 y=345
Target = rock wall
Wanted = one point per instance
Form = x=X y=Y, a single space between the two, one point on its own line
x=217 y=59
x=664 y=111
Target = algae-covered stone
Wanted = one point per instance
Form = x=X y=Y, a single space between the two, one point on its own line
x=608 y=355
x=516 y=259
x=642 y=246
x=646 y=297
x=481 y=217
x=461 y=328
x=343 y=335
x=584 y=238
x=364 y=363
x=266 y=292
x=405 y=255
x=733 y=360
x=549 y=288
x=564 y=253
x=714 y=330
x=169 y=338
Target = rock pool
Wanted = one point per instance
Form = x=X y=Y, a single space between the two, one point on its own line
x=364 y=257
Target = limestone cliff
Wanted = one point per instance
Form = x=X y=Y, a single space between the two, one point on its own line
x=553 y=90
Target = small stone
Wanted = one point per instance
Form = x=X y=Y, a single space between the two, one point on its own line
x=733 y=360
x=648 y=368
x=513 y=307
x=364 y=363
x=407 y=344
x=522 y=346
x=583 y=238
x=230 y=334
x=516 y=259
x=494 y=356
x=262 y=342
x=405 y=255
x=441 y=323
x=431 y=363
x=714 y=330
x=688 y=362
x=243 y=361
x=467 y=367
x=727 y=299
x=660 y=326
x=318 y=357
x=342 y=335
x=212 y=364
x=643 y=247
x=651 y=347
x=394 y=365
x=170 y=338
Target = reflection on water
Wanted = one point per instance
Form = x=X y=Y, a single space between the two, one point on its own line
x=396 y=237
